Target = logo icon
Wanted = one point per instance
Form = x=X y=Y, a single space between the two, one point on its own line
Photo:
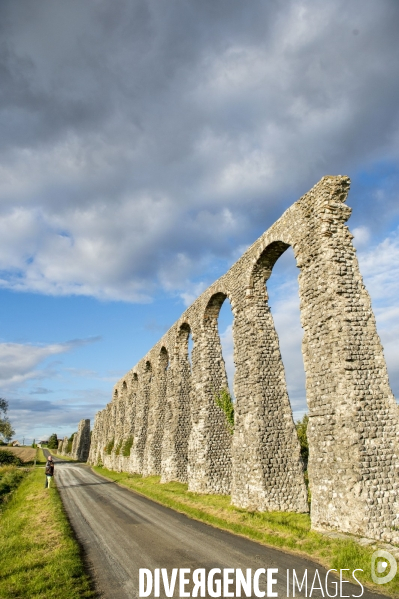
x=383 y=567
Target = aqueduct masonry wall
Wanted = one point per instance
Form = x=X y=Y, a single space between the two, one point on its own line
x=80 y=443
x=164 y=410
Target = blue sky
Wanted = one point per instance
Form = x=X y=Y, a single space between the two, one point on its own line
x=145 y=145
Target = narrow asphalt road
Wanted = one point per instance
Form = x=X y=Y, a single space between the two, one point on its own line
x=121 y=532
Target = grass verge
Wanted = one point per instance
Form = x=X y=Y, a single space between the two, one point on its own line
x=39 y=556
x=287 y=531
x=40 y=457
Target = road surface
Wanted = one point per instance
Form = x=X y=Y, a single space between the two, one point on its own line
x=121 y=532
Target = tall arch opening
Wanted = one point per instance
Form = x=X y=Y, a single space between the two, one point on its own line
x=282 y=289
x=225 y=328
x=268 y=468
x=213 y=416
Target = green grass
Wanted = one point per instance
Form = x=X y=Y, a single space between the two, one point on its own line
x=39 y=557
x=287 y=531
x=40 y=457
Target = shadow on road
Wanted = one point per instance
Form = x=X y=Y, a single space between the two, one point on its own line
x=106 y=482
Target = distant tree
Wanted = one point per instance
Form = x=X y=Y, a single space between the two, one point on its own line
x=302 y=430
x=69 y=445
x=34 y=443
x=6 y=430
x=53 y=441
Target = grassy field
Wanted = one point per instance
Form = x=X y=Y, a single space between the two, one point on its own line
x=39 y=556
x=287 y=531
x=26 y=454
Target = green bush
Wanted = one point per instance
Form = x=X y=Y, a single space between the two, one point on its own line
x=109 y=447
x=224 y=402
x=127 y=446
x=118 y=448
x=10 y=477
x=9 y=458
x=302 y=429
x=70 y=441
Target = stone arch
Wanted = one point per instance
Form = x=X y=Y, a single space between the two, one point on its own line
x=266 y=257
x=181 y=345
x=267 y=468
x=210 y=440
x=163 y=360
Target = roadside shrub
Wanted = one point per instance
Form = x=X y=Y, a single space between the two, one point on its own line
x=224 y=402
x=10 y=477
x=302 y=432
x=9 y=458
x=109 y=447
x=127 y=446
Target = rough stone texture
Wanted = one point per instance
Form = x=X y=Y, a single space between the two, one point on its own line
x=353 y=417
x=64 y=446
x=81 y=441
x=74 y=445
x=59 y=446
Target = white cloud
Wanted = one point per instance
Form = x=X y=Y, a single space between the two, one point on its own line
x=133 y=157
x=379 y=265
x=362 y=236
x=19 y=362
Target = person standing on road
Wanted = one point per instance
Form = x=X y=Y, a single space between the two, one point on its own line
x=49 y=471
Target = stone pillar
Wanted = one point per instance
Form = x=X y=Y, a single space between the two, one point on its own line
x=82 y=448
x=74 y=445
x=267 y=467
x=131 y=419
x=140 y=429
x=109 y=433
x=353 y=417
x=178 y=423
x=153 y=448
x=209 y=468
x=119 y=431
x=95 y=454
x=64 y=446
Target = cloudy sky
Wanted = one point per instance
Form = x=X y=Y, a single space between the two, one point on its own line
x=145 y=144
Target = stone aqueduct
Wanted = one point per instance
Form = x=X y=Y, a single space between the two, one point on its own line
x=166 y=405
